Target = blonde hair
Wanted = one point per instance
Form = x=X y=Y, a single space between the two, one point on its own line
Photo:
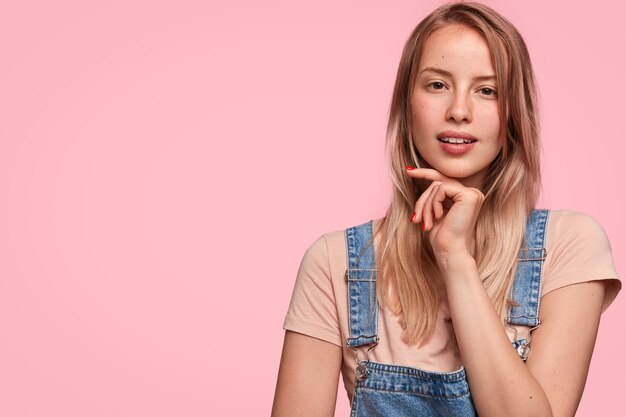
x=409 y=276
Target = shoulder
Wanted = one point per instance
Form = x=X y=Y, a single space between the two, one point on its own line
x=324 y=249
x=319 y=296
x=575 y=222
x=331 y=247
x=569 y=230
x=578 y=250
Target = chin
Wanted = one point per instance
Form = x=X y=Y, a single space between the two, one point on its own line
x=458 y=174
x=467 y=178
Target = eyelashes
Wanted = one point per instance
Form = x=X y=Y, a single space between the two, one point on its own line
x=436 y=85
x=439 y=85
x=488 y=91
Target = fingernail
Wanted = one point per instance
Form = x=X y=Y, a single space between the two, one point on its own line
x=413 y=217
x=409 y=168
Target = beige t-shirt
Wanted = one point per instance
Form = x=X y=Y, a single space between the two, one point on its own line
x=577 y=247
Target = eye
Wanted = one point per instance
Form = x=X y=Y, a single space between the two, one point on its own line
x=436 y=85
x=488 y=91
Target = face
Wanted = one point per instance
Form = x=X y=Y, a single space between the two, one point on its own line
x=454 y=100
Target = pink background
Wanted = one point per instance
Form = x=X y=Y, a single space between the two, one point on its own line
x=164 y=165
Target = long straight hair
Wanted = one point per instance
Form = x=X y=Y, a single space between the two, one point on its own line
x=410 y=281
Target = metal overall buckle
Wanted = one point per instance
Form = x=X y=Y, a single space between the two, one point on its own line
x=361 y=372
x=523 y=349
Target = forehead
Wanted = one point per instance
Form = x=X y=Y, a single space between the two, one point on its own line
x=456 y=46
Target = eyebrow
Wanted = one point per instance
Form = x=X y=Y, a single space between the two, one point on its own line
x=449 y=74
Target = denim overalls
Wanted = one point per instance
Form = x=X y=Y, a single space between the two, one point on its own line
x=392 y=390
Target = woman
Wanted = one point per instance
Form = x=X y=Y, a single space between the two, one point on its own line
x=430 y=311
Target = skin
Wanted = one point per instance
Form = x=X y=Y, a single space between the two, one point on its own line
x=456 y=90
x=550 y=383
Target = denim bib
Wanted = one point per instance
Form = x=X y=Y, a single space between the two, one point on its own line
x=394 y=391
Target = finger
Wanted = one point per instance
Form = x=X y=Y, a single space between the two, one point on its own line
x=439 y=199
x=438 y=205
x=427 y=210
x=419 y=204
x=441 y=194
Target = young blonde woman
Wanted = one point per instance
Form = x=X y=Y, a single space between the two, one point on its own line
x=464 y=299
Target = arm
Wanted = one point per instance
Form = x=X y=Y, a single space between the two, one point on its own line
x=307 y=378
x=552 y=381
x=500 y=382
x=563 y=344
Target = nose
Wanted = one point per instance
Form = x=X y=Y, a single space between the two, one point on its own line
x=460 y=108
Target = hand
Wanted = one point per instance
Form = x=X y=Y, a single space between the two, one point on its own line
x=448 y=212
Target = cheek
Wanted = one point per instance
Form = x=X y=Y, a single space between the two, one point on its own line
x=424 y=113
x=420 y=101
x=491 y=116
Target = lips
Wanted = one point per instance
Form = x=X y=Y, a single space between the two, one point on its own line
x=456 y=143
x=454 y=137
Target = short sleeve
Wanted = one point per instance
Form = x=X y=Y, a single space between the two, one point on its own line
x=578 y=250
x=313 y=310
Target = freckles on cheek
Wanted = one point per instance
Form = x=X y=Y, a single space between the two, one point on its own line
x=419 y=112
x=426 y=111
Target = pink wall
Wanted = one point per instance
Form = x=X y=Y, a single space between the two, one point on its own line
x=164 y=165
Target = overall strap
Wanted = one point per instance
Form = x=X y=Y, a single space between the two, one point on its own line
x=361 y=278
x=526 y=291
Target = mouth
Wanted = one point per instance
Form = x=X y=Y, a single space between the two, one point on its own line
x=457 y=138
x=456 y=143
